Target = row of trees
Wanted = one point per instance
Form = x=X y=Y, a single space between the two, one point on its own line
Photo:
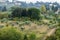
x=32 y=13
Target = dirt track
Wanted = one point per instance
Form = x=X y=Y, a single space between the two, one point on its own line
x=49 y=33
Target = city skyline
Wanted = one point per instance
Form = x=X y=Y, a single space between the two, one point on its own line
x=33 y=1
x=39 y=1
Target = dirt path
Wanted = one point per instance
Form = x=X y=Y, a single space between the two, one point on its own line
x=49 y=33
x=52 y=31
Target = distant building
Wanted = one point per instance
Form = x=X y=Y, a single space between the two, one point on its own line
x=3 y=0
x=26 y=5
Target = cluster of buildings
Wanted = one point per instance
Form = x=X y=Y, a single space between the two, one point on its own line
x=8 y=4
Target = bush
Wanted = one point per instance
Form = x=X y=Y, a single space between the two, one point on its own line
x=32 y=36
x=25 y=37
x=5 y=15
x=58 y=33
x=10 y=33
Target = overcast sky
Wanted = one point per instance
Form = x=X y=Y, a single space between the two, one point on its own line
x=40 y=0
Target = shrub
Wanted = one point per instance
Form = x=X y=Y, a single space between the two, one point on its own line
x=32 y=36
x=3 y=15
x=10 y=33
x=25 y=37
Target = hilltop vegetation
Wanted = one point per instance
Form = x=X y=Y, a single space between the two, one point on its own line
x=29 y=23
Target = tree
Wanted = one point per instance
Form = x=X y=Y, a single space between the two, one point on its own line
x=17 y=12
x=54 y=8
x=43 y=9
x=24 y=13
x=13 y=8
x=4 y=8
x=34 y=13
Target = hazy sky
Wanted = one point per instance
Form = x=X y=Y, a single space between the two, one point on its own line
x=40 y=0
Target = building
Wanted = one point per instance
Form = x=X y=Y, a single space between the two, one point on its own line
x=4 y=0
